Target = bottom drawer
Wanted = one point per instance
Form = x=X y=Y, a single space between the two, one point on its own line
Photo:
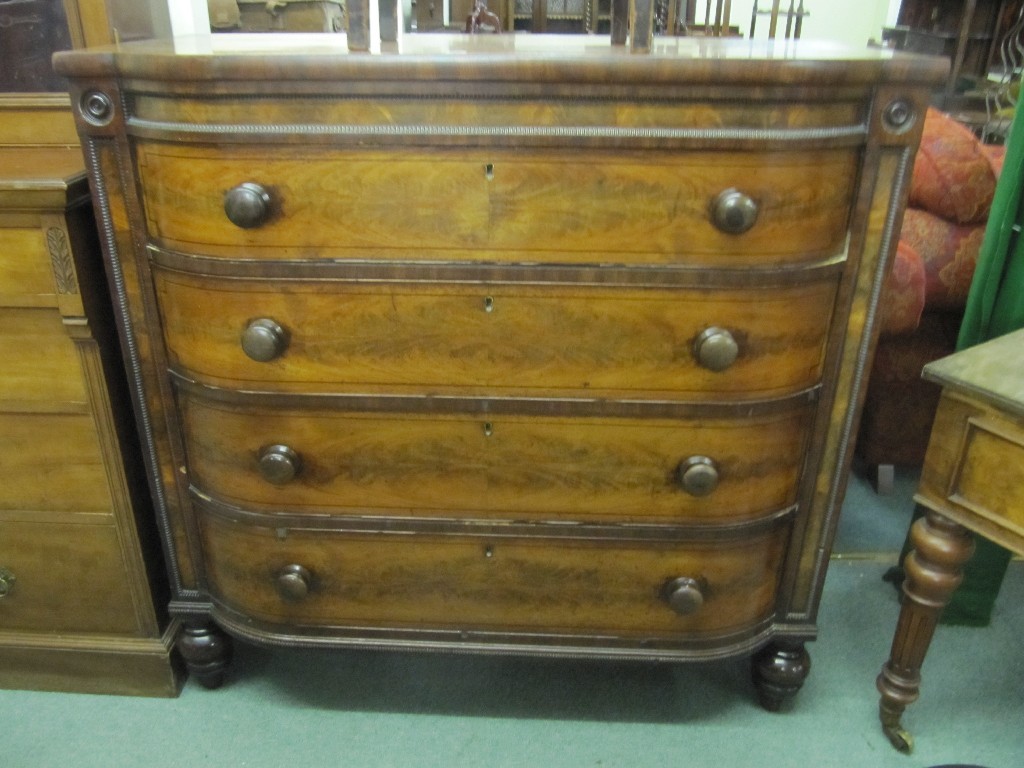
x=636 y=589
x=63 y=577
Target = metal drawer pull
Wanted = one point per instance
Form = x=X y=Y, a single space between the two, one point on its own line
x=247 y=205
x=6 y=582
x=685 y=595
x=293 y=582
x=264 y=339
x=698 y=475
x=279 y=464
x=716 y=349
x=734 y=212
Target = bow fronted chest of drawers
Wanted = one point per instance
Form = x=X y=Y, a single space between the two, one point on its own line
x=518 y=344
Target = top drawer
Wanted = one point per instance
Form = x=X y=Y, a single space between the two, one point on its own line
x=591 y=206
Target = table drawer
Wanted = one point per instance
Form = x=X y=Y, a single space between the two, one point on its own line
x=511 y=467
x=39 y=358
x=25 y=266
x=52 y=462
x=63 y=577
x=496 y=339
x=466 y=583
x=584 y=206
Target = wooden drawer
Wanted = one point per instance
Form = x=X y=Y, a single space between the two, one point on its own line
x=40 y=362
x=52 y=462
x=583 y=206
x=468 y=583
x=496 y=339
x=25 y=272
x=68 y=577
x=513 y=467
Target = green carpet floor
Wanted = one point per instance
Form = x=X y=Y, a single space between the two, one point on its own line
x=289 y=709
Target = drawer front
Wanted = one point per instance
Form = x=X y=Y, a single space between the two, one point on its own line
x=40 y=361
x=583 y=206
x=24 y=266
x=52 y=462
x=513 y=467
x=505 y=584
x=499 y=339
x=63 y=578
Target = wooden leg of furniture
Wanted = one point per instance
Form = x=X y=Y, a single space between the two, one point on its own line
x=933 y=572
x=780 y=669
x=206 y=650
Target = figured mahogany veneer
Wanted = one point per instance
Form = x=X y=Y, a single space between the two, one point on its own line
x=522 y=344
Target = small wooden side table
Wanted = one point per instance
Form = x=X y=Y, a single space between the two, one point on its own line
x=972 y=480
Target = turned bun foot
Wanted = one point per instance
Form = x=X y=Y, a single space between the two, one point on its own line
x=207 y=653
x=780 y=670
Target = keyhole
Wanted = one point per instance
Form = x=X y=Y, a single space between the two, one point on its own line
x=489 y=171
x=488 y=304
x=488 y=429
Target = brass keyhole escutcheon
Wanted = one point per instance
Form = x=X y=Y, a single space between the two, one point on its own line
x=489 y=171
x=488 y=304
x=488 y=429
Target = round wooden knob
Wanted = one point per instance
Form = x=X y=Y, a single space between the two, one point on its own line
x=279 y=464
x=247 y=205
x=698 y=475
x=734 y=212
x=6 y=581
x=293 y=582
x=716 y=349
x=685 y=595
x=264 y=339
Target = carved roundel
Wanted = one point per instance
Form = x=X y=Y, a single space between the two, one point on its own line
x=899 y=115
x=97 y=107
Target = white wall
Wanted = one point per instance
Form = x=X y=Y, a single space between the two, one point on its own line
x=848 y=21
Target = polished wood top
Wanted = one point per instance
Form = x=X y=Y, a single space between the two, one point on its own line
x=562 y=58
x=993 y=372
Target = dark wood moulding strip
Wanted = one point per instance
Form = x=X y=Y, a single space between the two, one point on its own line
x=692 y=647
x=489 y=273
x=377 y=523
x=438 y=404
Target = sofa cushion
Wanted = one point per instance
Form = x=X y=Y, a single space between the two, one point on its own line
x=953 y=177
x=949 y=252
x=903 y=296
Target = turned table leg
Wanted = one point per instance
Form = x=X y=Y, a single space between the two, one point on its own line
x=934 y=569
x=206 y=650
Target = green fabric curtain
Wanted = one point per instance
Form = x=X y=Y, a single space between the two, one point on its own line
x=995 y=306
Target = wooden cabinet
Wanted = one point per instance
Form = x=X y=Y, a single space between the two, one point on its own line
x=82 y=588
x=516 y=344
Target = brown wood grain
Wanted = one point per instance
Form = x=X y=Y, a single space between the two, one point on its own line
x=70 y=578
x=532 y=205
x=586 y=341
x=507 y=466
x=25 y=276
x=574 y=587
x=52 y=462
x=40 y=362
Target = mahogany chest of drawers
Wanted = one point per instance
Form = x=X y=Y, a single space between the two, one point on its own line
x=81 y=603
x=517 y=344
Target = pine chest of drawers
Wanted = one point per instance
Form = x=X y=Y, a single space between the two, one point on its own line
x=516 y=344
x=82 y=586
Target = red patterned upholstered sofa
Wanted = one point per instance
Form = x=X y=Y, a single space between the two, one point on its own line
x=922 y=305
